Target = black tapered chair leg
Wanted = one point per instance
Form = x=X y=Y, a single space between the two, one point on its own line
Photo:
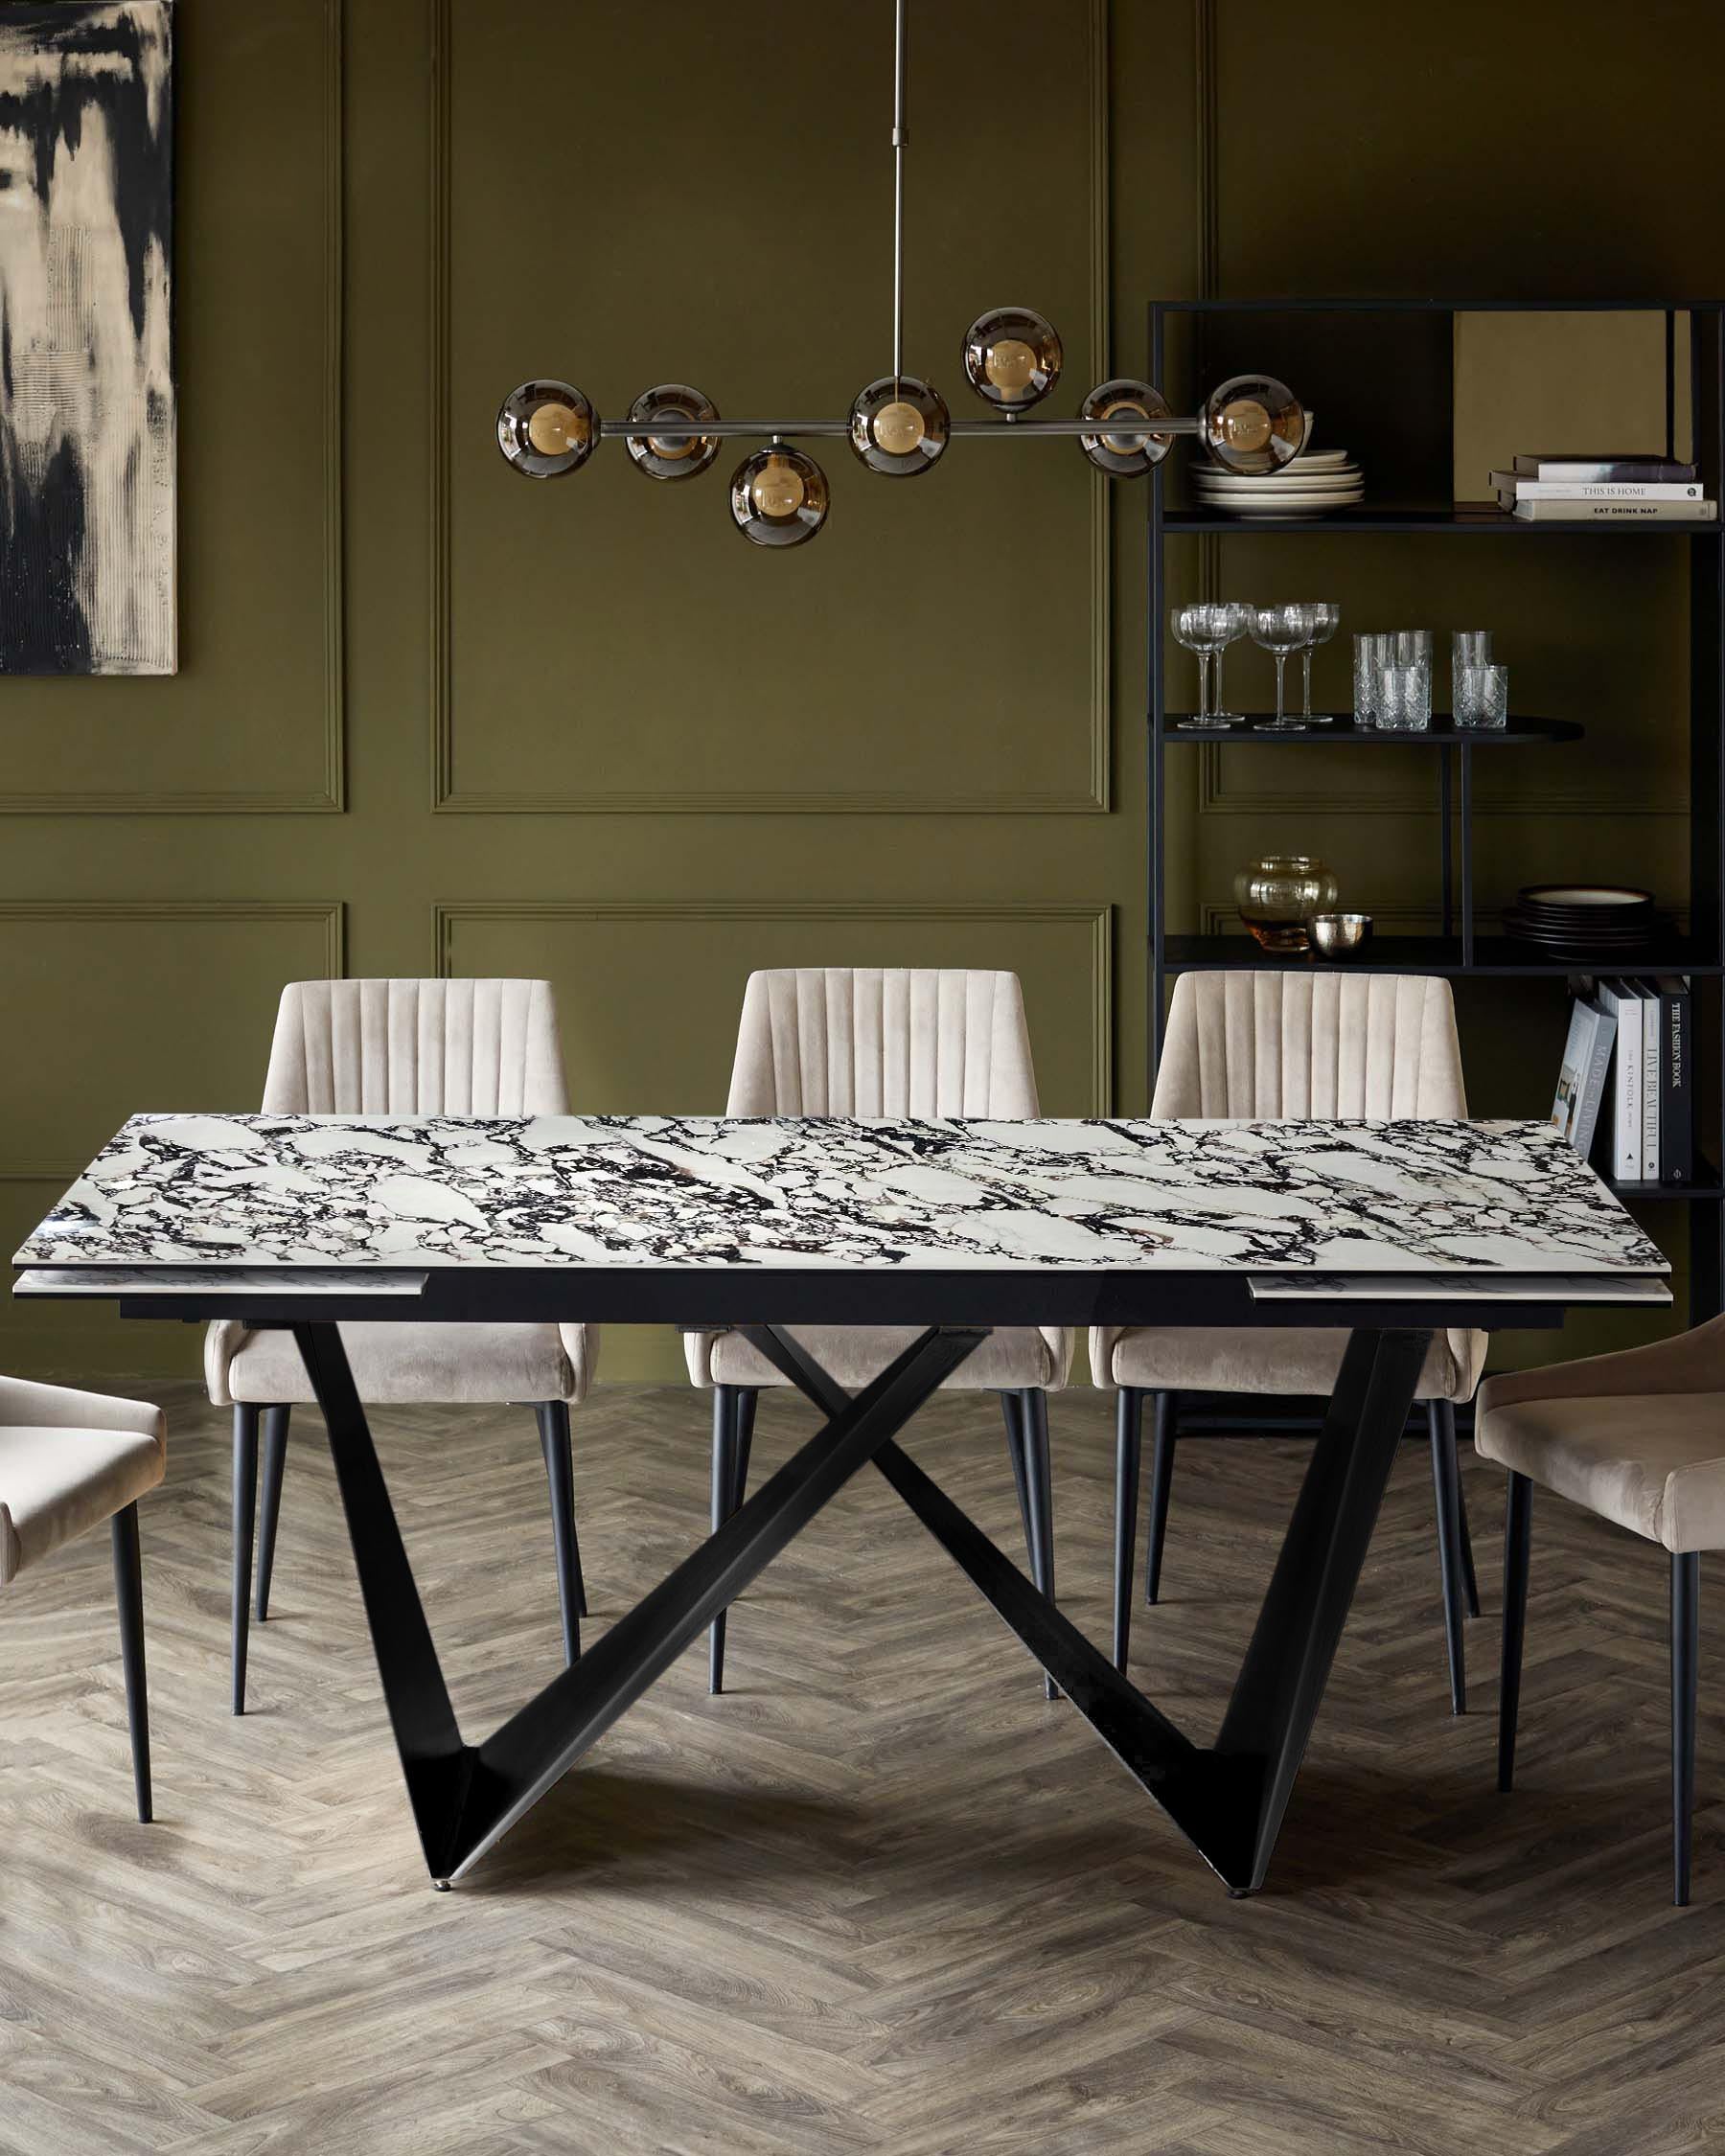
x=129 y=1593
x=725 y=1420
x=1686 y=1654
x=1039 y=1478
x=269 y=1509
x=1012 y=1414
x=553 y=1417
x=746 y=1400
x=1470 y=1584
x=246 y=1515
x=1518 y=1545
x=1129 y=1431
x=1162 y=1488
x=1446 y=1488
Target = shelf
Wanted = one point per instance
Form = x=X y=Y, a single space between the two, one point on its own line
x=1426 y=955
x=1463 y=516
x=1504 y=954
x=1706 y=1189
x=1441 y=734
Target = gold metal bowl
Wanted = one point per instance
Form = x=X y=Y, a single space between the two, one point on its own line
x=1334 y=936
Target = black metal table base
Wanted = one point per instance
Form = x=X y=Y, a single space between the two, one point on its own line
x=1229 y=1800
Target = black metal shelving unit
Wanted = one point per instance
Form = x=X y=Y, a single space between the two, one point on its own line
x=1421 y=332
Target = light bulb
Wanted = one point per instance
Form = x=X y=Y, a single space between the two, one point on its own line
x=778 y=496
x=554 y=428
x=1011 y=357
x=1010 y=364
x=777 y=487
x=546 y=428
x=898 y=428
x=1245 y=423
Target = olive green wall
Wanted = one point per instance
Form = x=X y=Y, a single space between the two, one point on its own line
x=430 y=717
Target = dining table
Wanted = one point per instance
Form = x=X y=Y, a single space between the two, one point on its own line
x=1384 y=1230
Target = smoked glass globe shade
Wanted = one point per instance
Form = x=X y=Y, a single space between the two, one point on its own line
x=1252 y=423
x=1011 y=357
x=546 y=429
x=778 y=496
x=899 y=426
x=1119 y=445
x=676 y=456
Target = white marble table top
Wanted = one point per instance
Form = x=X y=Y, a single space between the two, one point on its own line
x=645 y=1191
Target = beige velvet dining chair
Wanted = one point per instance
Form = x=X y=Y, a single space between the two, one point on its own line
x=407 y=1047
x=69 y=1460
x=1638 y=1438
x=886 y=1040
x=1278 y=1044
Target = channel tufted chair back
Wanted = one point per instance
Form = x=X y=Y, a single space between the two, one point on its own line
x=883 y=1041
x=1277 y=1045
x=416 y=1047
x=405 y=1048
x=886 y=1041
x=1318 y=1044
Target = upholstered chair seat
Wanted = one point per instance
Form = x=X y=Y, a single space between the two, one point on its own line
x=887 y=1041
x=1009 y=1360
x=405 y=1048
x=1652 y=1462
x=458 y=1365
x=1266 y=1045
x=1249 y=1359
x=1639 y=1438
x=68 y=1461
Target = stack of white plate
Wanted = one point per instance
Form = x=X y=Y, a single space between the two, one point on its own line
x=1315 y=481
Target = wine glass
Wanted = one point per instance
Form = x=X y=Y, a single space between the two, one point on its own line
x=1281 y=630
x=1233 y=620
x=1196 y=629
x=1323 y=620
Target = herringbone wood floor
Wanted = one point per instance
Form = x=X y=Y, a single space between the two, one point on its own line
x=880 y=1897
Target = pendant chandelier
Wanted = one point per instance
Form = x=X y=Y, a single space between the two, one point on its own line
x=899 y=426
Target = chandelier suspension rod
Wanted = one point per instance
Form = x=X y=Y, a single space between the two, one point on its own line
x=899 y=139
x=973 y=430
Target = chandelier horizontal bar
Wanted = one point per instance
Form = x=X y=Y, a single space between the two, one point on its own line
x=689 y=430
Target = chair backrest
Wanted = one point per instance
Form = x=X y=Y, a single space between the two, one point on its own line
x=883 y=1041
x=1281 y=1043
x=416 y=1047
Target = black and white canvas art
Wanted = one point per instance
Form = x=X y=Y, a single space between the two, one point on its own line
x=86 y=383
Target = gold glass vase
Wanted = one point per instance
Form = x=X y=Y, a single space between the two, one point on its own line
x=1279 y=893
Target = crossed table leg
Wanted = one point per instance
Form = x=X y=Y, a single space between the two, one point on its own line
x=1229 y=1800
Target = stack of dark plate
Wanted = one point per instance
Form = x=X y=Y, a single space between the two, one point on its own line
x=1585 y=920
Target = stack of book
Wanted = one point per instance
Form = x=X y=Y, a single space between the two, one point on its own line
x=1627 y=1080
x=1583 y=490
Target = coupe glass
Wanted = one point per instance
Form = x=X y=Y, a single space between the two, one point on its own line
x=1234 y=617
x=1281 y=630
x=1323 y=620
x=1197 y=631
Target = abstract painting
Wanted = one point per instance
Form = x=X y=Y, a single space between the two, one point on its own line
x=86 y=384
